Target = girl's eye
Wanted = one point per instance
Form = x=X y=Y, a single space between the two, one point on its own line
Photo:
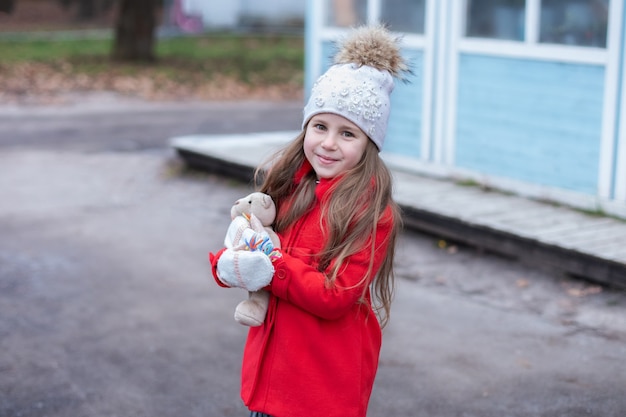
x=348 y=134
x=320 y=126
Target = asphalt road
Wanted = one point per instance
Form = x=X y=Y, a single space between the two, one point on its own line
x=106 y=122
x=107 y=308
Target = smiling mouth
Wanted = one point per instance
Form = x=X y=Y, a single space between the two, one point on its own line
x=325 y=159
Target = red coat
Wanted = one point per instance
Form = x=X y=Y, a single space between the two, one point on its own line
x=317 y=352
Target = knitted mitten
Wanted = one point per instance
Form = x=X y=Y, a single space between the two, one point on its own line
x=234 y=234
x=244 y=269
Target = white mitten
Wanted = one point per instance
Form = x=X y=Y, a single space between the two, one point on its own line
x=243 y=269
x=234 y=234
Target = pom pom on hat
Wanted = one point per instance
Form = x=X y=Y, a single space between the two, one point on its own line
x=375 y=47
x=358 y=86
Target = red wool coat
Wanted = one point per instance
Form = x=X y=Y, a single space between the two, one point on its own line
x=317 y=352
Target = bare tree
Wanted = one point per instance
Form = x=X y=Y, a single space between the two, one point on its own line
x=88 y=9
x=135 y=29
x=135 y=25
x=7 y=6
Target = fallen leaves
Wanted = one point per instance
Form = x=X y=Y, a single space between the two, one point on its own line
x=38 y=80
x=580 y=291
x=451 y=249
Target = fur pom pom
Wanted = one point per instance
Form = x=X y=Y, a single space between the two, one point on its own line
x=373 y=46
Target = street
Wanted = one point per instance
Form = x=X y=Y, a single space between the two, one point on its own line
x=107 y=307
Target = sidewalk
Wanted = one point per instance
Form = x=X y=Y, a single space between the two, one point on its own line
x=570 y=241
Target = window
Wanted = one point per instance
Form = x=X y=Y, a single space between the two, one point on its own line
x=574 y=22
x=564 y=22
x=498 y=19
x=346 y=13
x=403 y=15
x=399 y=15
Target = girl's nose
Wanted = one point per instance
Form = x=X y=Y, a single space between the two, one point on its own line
x=329 y=141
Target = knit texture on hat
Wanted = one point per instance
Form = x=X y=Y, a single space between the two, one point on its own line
x=359 y=85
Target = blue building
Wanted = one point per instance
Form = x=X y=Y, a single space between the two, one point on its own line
x=524 y=96
x=201 y=15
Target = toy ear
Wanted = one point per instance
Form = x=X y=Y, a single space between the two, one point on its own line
x=267 y=201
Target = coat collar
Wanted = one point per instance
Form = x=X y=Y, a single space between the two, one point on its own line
x=323 y=184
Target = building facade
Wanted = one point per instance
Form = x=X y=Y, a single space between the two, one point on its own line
x=525 y=96
x=202 y=15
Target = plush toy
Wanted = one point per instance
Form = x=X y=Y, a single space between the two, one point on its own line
x=253 y=214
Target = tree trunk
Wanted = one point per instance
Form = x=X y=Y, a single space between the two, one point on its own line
x=86 y=9
x=7 y=6
x=135 y=31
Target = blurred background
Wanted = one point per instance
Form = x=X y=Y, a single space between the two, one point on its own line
x=151 y=49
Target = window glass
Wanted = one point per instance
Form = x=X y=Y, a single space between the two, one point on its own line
x=346 y=13
x=497 y=19
x=574 y=22
x=403 y=15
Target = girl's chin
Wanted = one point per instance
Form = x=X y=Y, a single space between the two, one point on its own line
x=325 y=173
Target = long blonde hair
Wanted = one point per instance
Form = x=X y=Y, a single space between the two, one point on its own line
x=367 y=185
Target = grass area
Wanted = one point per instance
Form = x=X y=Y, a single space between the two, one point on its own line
x=43 y=50
x=256 y=59
x=250 y=59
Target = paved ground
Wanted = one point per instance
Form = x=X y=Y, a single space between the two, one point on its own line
x=106 y=308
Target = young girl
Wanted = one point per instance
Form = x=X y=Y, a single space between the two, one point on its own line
x=317 y=352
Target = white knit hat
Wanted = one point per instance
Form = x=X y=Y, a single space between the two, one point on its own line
x=358 y=86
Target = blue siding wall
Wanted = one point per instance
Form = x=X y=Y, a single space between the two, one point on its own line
x=533 y=121
x=404 y=133
x=328 y=53
x=309 y=42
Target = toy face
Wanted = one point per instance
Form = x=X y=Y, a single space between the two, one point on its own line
x=241 y=206
x=259 y=204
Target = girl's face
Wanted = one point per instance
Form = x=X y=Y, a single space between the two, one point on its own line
x=333 y=144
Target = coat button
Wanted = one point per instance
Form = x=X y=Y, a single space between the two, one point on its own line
x=281 y=274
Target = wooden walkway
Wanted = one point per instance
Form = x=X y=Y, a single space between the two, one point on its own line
x=576 y=243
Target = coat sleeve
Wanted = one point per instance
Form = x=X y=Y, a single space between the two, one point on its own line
x=213 y=258
x=300 y=283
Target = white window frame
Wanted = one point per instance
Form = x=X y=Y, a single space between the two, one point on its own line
x=530 y=47
x=619 y=186
x=332 y=33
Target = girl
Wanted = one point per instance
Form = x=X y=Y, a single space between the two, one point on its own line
x=317 y=352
